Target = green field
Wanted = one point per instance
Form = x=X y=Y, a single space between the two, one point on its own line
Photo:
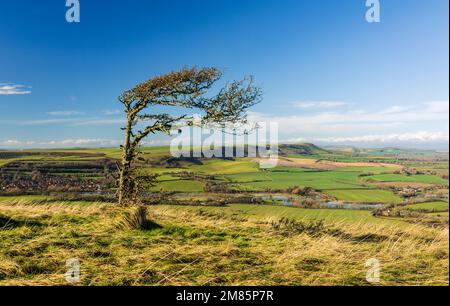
x=215 y=167
x=430 y=206
x=264 y=212
x=428 y=179
x=243 y=174
x=348 y=184
x=179 y=186
x=344 y=184
x=321 y=180
x=365 y=196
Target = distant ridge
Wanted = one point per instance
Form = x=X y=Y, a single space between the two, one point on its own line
x=301 y=149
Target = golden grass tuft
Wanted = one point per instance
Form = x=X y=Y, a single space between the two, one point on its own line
x=135 y=218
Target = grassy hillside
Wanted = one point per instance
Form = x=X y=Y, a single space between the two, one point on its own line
x=236 y=245
x=304 y=149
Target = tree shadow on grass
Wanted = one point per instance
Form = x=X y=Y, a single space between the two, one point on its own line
x=150 y=225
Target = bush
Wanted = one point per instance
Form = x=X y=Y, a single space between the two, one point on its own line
x=287 y=225
x=136 y=219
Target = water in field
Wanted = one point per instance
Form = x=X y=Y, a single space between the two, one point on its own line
x=353 y=206
x=279 y=198
x=289 y=200
x=292 y=201
x=286 y=200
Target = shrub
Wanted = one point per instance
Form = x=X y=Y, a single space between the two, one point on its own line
x=287 y=225
x=136 y=219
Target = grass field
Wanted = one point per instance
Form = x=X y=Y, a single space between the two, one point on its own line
x=365 y=196
x=265 y=212
x=429 y=179
x=215 y=167
x=344 y=184
x=235 y=245
x=321 y=180
x=179 y=186
x=430 y=206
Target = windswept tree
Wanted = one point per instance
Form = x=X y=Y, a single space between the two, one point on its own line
x=189 y=90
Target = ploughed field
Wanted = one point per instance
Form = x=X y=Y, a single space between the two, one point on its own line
x=225 y=221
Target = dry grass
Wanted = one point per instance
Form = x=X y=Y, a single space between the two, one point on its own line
x=197 y=247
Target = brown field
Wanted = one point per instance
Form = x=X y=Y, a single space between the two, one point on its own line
x=401 y=185
x=330 y=165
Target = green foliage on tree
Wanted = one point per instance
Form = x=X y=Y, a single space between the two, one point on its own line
x=188 y=89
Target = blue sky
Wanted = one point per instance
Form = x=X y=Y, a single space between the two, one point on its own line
x=328 y=76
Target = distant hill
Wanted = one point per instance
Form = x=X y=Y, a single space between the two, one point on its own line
x=344 y=150
x=301 y=149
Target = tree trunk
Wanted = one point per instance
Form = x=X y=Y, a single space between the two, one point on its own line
x=124 y=191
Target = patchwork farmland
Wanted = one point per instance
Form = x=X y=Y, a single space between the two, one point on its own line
x=296 y=224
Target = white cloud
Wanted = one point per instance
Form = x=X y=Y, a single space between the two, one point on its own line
x=72 y=121
x=82 y=142
x=394 y=110
x=362 y=121
x=15 y=143
x=438 y=106
x=391 y=138
x=74 y=143
x=67 y=143
x=296 y=140
x=47 y=121
x=425 y=123
x=65 y=113
x=155 y=142
x=10 y=142
x=14 y=89
x=318 y=104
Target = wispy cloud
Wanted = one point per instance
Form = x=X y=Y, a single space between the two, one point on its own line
x=67 y=120
x=360 y=121
x=82 y=142
x=65 y=113
x=423 y=136
x=15 y=143
x=438 y=106
x=99 y=121
x=14 y=89
x=421 y=124
x=318 y=104
x=73 y=143
x=48 y=121
x=111 y=112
